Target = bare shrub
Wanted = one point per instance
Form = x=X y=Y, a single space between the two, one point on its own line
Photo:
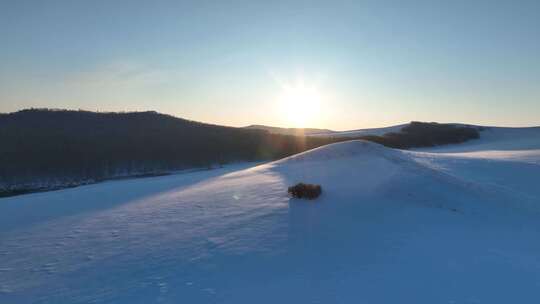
x=308 y=191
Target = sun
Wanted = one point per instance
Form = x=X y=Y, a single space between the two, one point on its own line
x=300 y=104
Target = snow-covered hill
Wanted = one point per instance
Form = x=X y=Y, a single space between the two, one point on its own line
x=455 y=224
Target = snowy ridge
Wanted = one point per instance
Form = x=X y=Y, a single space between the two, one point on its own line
x=347 y=149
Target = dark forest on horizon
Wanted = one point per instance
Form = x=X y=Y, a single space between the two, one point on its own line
x=44 y=149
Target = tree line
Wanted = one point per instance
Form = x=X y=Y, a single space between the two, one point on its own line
x=44 y=149
x=426 y=134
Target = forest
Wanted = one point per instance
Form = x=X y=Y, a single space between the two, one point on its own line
x=426 y=134
x=45 y=149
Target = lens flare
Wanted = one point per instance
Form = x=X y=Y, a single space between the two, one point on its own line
x=300 y=104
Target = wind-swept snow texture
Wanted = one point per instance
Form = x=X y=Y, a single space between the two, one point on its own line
x=455 y=224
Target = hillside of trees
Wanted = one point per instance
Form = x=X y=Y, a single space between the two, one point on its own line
x=426 y=134
x=44 y=149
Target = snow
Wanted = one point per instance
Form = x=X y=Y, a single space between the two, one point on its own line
x=497 y=139
x=452 y=224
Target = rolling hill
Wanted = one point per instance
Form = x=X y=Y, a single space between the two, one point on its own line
x=46 y=149
x=290 y=131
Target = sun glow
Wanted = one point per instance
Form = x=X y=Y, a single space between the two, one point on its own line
x=301 y=105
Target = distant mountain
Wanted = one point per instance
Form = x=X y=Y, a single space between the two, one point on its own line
x=357 y=133
x=362 y=132
x=45 y=149
x=290 y=131
x=327 y=132
x=404 y=136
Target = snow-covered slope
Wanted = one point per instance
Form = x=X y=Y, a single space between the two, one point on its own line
x=499 y=139
x=459 y=224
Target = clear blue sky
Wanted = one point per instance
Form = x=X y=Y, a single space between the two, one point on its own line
x=373 y=63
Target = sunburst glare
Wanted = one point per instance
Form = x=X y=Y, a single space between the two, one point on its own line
x=300 y=104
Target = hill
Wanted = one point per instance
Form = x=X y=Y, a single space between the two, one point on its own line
x=405 y=136
x=47 y=149
x=362 y=132
x=290 y=131
x=328 y=133
x=44 y=149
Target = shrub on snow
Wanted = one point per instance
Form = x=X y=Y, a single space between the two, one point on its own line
x=308 y=191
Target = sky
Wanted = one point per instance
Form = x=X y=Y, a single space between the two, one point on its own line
x=327 y=64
